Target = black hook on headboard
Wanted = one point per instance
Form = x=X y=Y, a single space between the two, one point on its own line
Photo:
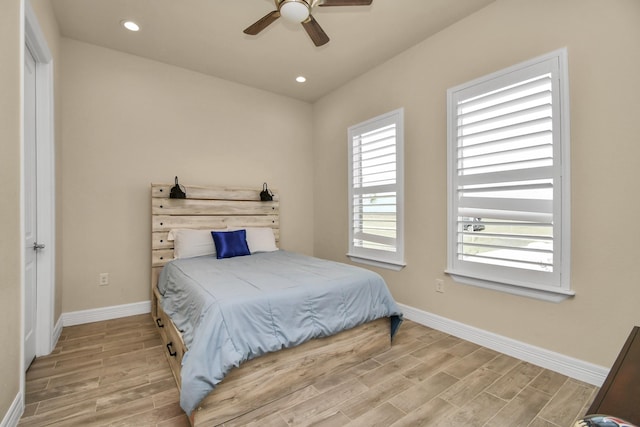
x=177 y=192
x=265 y=194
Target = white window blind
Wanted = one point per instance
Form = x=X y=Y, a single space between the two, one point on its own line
x=506 y=170
x=376 y=190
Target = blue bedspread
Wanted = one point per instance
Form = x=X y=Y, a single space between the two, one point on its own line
x=233 y=310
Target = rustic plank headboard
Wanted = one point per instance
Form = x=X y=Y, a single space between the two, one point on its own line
x=205 y=207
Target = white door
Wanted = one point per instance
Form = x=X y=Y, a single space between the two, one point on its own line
x=30 y=209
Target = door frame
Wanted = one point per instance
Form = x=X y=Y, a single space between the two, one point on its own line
x=45 y=165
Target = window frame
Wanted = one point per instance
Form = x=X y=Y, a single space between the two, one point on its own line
x=385 y=259
x=547 y=286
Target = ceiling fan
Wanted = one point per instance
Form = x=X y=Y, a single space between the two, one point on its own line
x=300 y=11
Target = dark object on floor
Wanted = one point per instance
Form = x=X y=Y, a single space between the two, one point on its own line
x=599 y=420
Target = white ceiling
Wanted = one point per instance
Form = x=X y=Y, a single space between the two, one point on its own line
x=206 y=36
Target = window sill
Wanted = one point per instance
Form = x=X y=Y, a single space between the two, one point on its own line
x=542 y=293
x=390 y=265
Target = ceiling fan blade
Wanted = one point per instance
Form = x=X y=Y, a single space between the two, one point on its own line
x=346 y=3
x=315 y=31
x=262 y=23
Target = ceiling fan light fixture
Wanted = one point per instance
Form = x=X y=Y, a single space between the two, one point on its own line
x=295 y=10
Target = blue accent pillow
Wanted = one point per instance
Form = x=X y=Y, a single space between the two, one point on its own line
x=230 y=243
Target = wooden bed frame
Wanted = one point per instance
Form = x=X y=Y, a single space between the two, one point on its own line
x=274 y=375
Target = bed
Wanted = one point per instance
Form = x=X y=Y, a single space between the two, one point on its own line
x=220 y=379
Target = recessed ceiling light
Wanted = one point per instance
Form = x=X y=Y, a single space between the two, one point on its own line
x=130 y=25
x=301 y=79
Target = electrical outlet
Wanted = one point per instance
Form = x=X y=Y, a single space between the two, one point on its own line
x=103 y=279
x=440 y=286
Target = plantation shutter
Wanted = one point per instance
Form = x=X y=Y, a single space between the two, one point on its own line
x=376 y=189
x=506 y=177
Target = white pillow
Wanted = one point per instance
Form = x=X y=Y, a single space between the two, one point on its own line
x=260 y=239
x=189 y=243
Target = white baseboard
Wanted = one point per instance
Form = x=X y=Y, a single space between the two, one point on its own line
x=569 y=366
x=14 y=413
x=105 y=313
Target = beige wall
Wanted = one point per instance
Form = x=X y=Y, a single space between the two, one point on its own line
x=602 y=40
x=128 y=122
x=10 y=257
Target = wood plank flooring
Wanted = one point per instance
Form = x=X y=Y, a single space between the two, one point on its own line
x=114 y=373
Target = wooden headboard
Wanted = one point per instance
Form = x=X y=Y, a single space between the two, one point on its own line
x=205 y=207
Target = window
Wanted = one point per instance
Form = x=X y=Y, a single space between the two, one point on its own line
x=508 y=139
x=376 y=191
